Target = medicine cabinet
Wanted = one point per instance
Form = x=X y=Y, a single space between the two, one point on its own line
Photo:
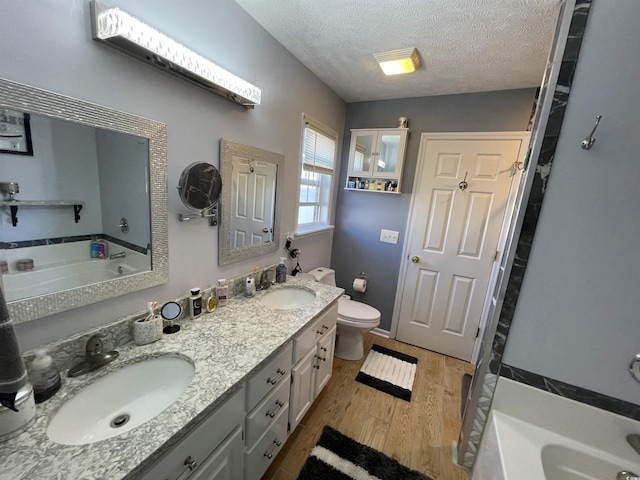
x=376 y=158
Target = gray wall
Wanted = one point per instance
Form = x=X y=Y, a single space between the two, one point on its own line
x=361 y=215
x=48 y=45
x=577 y=315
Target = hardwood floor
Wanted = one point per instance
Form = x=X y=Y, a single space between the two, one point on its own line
x=419 y=434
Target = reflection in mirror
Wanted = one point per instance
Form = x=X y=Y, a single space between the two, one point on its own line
x=250 y=207
x=90 y=169
x=200 y=185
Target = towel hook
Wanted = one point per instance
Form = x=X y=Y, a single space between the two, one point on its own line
x=588 y=142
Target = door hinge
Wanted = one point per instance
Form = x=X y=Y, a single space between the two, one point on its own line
x=478 y=332
x=496 y=255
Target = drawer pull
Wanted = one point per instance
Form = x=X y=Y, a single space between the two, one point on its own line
x=279 y=405
x=324 y=359
x=324 y=349
x=272 y=381
x=281 y=372
x=317 y=367
x=276 y=444
x=192 y=464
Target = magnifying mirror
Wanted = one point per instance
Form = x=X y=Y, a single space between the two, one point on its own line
x=170 y=311
x=200 y=186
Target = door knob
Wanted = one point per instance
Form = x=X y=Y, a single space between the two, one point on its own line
x=415 y=259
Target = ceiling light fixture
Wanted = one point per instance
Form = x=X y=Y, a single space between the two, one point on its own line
x=127 y=33
x=395 y=62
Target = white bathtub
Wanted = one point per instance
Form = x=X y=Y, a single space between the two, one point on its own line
x=534 y=435
x=69 y=273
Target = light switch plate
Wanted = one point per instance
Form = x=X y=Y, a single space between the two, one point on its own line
x=389 y=236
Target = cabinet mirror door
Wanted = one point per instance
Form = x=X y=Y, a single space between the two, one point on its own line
x=388 y=159
x=362 y=146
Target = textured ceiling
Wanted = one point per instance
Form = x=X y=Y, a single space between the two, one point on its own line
x=465 y=45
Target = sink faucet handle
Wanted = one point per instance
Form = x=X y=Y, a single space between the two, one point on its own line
x=94 y=344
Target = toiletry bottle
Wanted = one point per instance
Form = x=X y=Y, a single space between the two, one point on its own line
x=102 y=249
x=250 y=286
x=281 y=271
x=222 y=292
x=94 y=247
x=195 y=303
x=44 y=376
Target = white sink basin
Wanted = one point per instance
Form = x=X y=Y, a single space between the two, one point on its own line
x=286 y=298
x=121 y=401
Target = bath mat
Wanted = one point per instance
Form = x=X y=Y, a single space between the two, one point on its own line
x=338 y=457
x=389 y=371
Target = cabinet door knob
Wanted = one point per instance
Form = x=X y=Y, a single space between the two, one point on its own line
x=192 y=464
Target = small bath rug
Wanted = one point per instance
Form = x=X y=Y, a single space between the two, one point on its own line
x=389 y=371
x=338 y=457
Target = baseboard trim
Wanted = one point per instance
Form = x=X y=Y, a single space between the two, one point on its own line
x=380 y=332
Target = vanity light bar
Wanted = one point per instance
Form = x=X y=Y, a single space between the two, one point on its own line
x=127 y=33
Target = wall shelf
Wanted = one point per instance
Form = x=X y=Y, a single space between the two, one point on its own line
x=14 y=204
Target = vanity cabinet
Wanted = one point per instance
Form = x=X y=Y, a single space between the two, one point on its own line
x=313 y=351
x=376 y=158
x=213 y=450
x=268 y=405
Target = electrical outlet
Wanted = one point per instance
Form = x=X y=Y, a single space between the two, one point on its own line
x=389 y=236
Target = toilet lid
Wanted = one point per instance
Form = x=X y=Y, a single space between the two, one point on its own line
x=356 y=311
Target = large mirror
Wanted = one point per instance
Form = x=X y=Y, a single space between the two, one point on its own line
x=83 y=211
x=250 y=204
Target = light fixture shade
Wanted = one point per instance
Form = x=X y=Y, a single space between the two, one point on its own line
x=127 y=33
x=395 y=62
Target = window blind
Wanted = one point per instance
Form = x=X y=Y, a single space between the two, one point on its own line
x=319 y=151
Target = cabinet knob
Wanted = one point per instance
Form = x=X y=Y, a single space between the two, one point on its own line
x=192 y=464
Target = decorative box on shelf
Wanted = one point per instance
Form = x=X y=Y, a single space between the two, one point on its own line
x=376 y=158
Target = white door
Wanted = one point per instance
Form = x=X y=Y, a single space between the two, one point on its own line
x=252 y=205
x=453 y=238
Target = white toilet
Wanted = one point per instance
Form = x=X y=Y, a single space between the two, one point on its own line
x=354 y=319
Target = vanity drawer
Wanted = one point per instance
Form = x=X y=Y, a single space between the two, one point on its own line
x=265 y=413
x=265 y=450
x=275 y=372
x=308 y=338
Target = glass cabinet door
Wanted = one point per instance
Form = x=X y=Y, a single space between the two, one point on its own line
x=362 y=154
x=387 y=160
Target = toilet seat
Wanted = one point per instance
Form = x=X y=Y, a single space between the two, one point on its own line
x=356 y=312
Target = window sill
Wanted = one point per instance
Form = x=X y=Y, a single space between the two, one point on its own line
x=307 y=232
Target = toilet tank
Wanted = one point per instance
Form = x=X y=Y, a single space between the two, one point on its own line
x=324 y=275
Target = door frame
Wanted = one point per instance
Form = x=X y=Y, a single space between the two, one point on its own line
x=511 y=201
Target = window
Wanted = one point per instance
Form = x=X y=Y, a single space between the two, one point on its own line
x=316 y=177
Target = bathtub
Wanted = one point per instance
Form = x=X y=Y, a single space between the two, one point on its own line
x=535 y=435
x=72 y=273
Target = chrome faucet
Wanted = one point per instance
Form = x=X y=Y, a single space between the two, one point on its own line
x=117 y=255
x=626 y=476
x=266 y=279
x=94 y=357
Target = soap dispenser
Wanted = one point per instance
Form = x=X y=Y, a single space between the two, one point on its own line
x=281 y=271
x=44 y=376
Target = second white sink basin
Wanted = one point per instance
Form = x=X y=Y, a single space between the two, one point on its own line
x=121 y=401
x=286 y=298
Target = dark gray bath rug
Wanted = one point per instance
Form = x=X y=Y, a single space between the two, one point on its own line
x=389 y=371
x=337 y=457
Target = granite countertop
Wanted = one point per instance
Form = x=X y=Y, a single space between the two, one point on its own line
x=226 y=347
